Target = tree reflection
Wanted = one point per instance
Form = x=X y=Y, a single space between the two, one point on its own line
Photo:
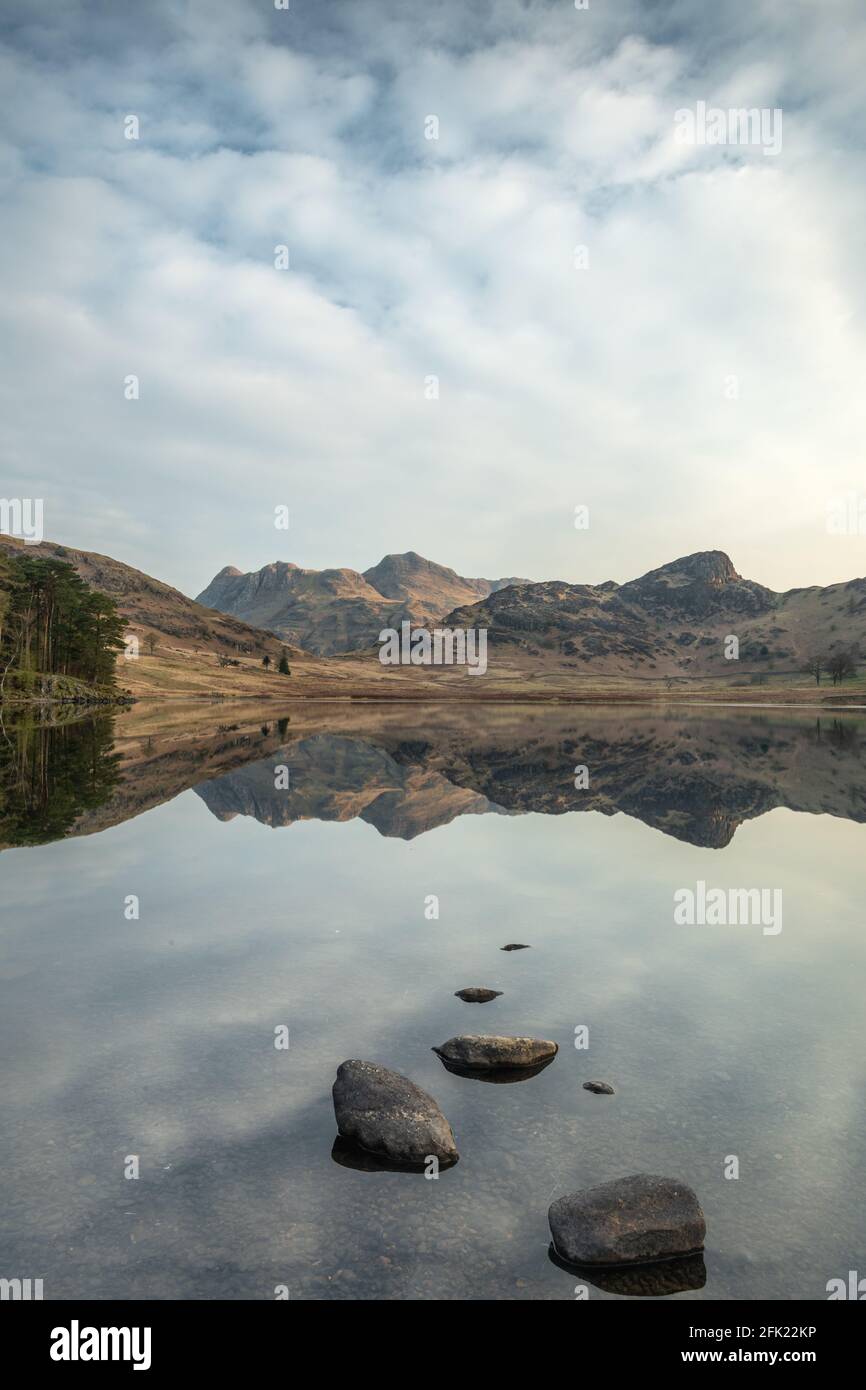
x=51 y=773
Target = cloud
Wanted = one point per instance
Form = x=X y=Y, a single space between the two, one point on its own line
x=455 y=258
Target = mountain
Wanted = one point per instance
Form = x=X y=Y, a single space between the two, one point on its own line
x=428 y=590
x=672 y=622
x=324 y=611
x=339 y=610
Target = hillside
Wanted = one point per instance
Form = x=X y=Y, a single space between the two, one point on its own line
x=187 y=638
x=339 y=610
x=671 y=623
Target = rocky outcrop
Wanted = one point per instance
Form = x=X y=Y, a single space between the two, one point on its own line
x=671 y=623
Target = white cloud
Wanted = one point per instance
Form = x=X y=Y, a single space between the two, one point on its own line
x=454 y=257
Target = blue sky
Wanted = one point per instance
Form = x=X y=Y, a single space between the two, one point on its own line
x=697 y=382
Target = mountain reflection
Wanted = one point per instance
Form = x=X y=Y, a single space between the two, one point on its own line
x=696 y=776
x=696 y=780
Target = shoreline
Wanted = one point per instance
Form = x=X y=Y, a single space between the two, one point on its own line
x=711 y=700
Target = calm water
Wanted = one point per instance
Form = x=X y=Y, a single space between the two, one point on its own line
x=305 y=907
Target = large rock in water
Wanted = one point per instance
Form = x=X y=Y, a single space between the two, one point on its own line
x=479 y=1052
x=386 y=1113
x=630 y=1221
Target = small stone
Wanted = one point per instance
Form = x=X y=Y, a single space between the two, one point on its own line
x=387 y=1114
x=632 y=1220
x=471 y=1050
x=599 y=1088
x=514 y=946
x=477 y=995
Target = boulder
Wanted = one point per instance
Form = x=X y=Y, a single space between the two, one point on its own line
x=476 y=995
x=514 y=946
x=633 y=1220
x=599 y=1088
x=386 y=1113
x=480 y=1052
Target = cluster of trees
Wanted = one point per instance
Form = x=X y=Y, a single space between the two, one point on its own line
x=837 y=665
x=283 y=667
x=52 y=623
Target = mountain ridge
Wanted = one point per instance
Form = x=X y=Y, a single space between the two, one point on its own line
x=338 y=610
x=675 y=621
x=680 y=616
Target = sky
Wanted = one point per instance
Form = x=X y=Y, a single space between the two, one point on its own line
x=512 y=288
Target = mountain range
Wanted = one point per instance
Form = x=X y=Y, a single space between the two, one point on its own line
x=672 y=622
x=332 y=611
x=545 y=640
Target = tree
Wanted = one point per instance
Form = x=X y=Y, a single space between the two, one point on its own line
x=56 y=625
x=266 y=661
x=815 y=666
x=151 y=643
x=840 y=665
x=284 y=664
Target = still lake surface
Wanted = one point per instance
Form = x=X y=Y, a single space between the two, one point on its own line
x=304 y=906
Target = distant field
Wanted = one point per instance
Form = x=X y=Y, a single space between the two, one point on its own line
x=177 y=673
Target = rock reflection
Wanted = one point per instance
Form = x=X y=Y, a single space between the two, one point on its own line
x=658 y=1280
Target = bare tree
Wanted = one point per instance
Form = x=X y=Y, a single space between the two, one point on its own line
x=815 y=666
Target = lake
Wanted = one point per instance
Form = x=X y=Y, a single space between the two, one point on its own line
x=180 y=885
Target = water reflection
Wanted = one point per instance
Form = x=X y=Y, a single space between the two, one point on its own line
x=52 y=774
x=658 y=1280
x=694 y=777
x=156 y=1036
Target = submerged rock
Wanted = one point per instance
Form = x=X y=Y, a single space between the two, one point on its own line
x=478 y=1052
x=476 y=995
x=599 y=1088
x=633 y=1220
x=514 y=946
x=386 y=1113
